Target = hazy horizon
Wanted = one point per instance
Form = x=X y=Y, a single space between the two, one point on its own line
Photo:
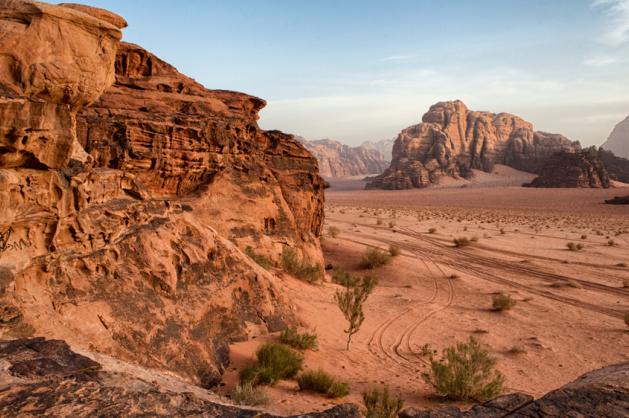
x=365 y=70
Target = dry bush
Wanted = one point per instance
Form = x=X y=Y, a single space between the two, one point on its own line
x=249 y=395
x=275 y=362
x=394 y=250
x=350 y=301
x=574 y=247
x=502 y=302
x=461 y=242
x=321 y=382
x=301 y=341
x=380 y=404
x=374 y=258
x=333 y=231
x=264 y=262
x=432 y=230
x=302 y=269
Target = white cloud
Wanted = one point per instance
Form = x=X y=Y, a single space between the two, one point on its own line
x=602 y=61
x=396 y=58
x=618 y=32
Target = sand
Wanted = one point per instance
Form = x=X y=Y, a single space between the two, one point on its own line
x=570 y=304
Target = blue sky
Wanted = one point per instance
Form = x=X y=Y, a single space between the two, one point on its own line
x=364 y=70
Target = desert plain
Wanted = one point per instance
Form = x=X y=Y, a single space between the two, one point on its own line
x=568 y=316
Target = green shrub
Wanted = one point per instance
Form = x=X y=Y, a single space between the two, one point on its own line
x=574 y=247
x=302 y=269
x=321 y=382
x=394 y=250
x=305 y=341
x=502 y=302
x=261 y=260
x=466 y=373
x=461 y=242
x=247 y=394
x=344 y=278
x=374 y=258
x=380 y=404
x=275 y=362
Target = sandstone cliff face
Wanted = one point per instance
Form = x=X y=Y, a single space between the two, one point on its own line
x=617 y=167
x=384 y=146
x=452 y=140
x=123 y=207
x=339 y=160
x=618 y=140
x=568 y=169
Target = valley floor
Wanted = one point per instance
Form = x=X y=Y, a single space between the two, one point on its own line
x=570 y=304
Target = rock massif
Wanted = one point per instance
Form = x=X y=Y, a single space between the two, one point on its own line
x=339 y=160
x=384 y=146
x=452 y=140
x=127 y=191
x=618 y=140
x=573 y=169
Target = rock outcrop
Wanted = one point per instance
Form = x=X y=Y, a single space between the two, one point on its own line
x=46 y=378
x=618 y=200
x=618 y=140
x=452 y=140
x=617 y=167
x=602 y=393
x=573 y=169
x=124 y=207
x=384 y=146
x=339 y=160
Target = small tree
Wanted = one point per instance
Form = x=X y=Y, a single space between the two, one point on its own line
x=350 y=301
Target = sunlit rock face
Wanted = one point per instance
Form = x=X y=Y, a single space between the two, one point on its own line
x=127 y=192
x=452 y=140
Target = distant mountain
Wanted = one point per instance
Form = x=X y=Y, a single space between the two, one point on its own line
x=453 y=140
x=618 y=140
x=339 y=160
x=385 y=146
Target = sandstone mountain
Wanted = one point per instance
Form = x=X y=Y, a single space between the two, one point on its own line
x=128 y=192
x=618 y=140
x=573 y=169
x=339 y=160
x=384 y=146
x=452 y=140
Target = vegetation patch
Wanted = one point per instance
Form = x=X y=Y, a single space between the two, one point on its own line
x=380 y=404
x=300 y=268
x=350 y=301
x=502 y=302
x=275 y=362
x=248 y=394
x=465 y=373
x=261 y=260
x=321 y=382
x=301 y=341
x=374 y=258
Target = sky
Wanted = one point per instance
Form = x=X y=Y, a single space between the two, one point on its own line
x=358 y=70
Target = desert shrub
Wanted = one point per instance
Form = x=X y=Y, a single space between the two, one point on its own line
x=625 y=283
x=622 y=265
x=374 y=258
x=321 y=382
x=627 y=319
x=502 y=302
x=394 y=250
x=584 y=237
x=466 y=373
x=517 y=349
x=301 y=341
x=300 y=268
x=378 y=221
x=432 y=230
x=574 y=247
x=350 y=301
x=611 y=243
x=261 y=260
x=248 y=394
x=333 y=231
x=344 y=278
x=391 y=224
x=380 y=404
x=461 y=242
x=275 y=362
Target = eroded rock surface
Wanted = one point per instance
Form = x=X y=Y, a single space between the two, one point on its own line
x=618 y=140
x=452 y=140
x=124 y=207
x=573 y=169
x=46 y=378
x=339 y=160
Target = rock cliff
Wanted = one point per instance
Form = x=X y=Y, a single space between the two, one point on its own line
x=618 y=140
x=384 y=146
x=573 y=169
x=452 y=140
x=127 y=191
x=339 y=160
